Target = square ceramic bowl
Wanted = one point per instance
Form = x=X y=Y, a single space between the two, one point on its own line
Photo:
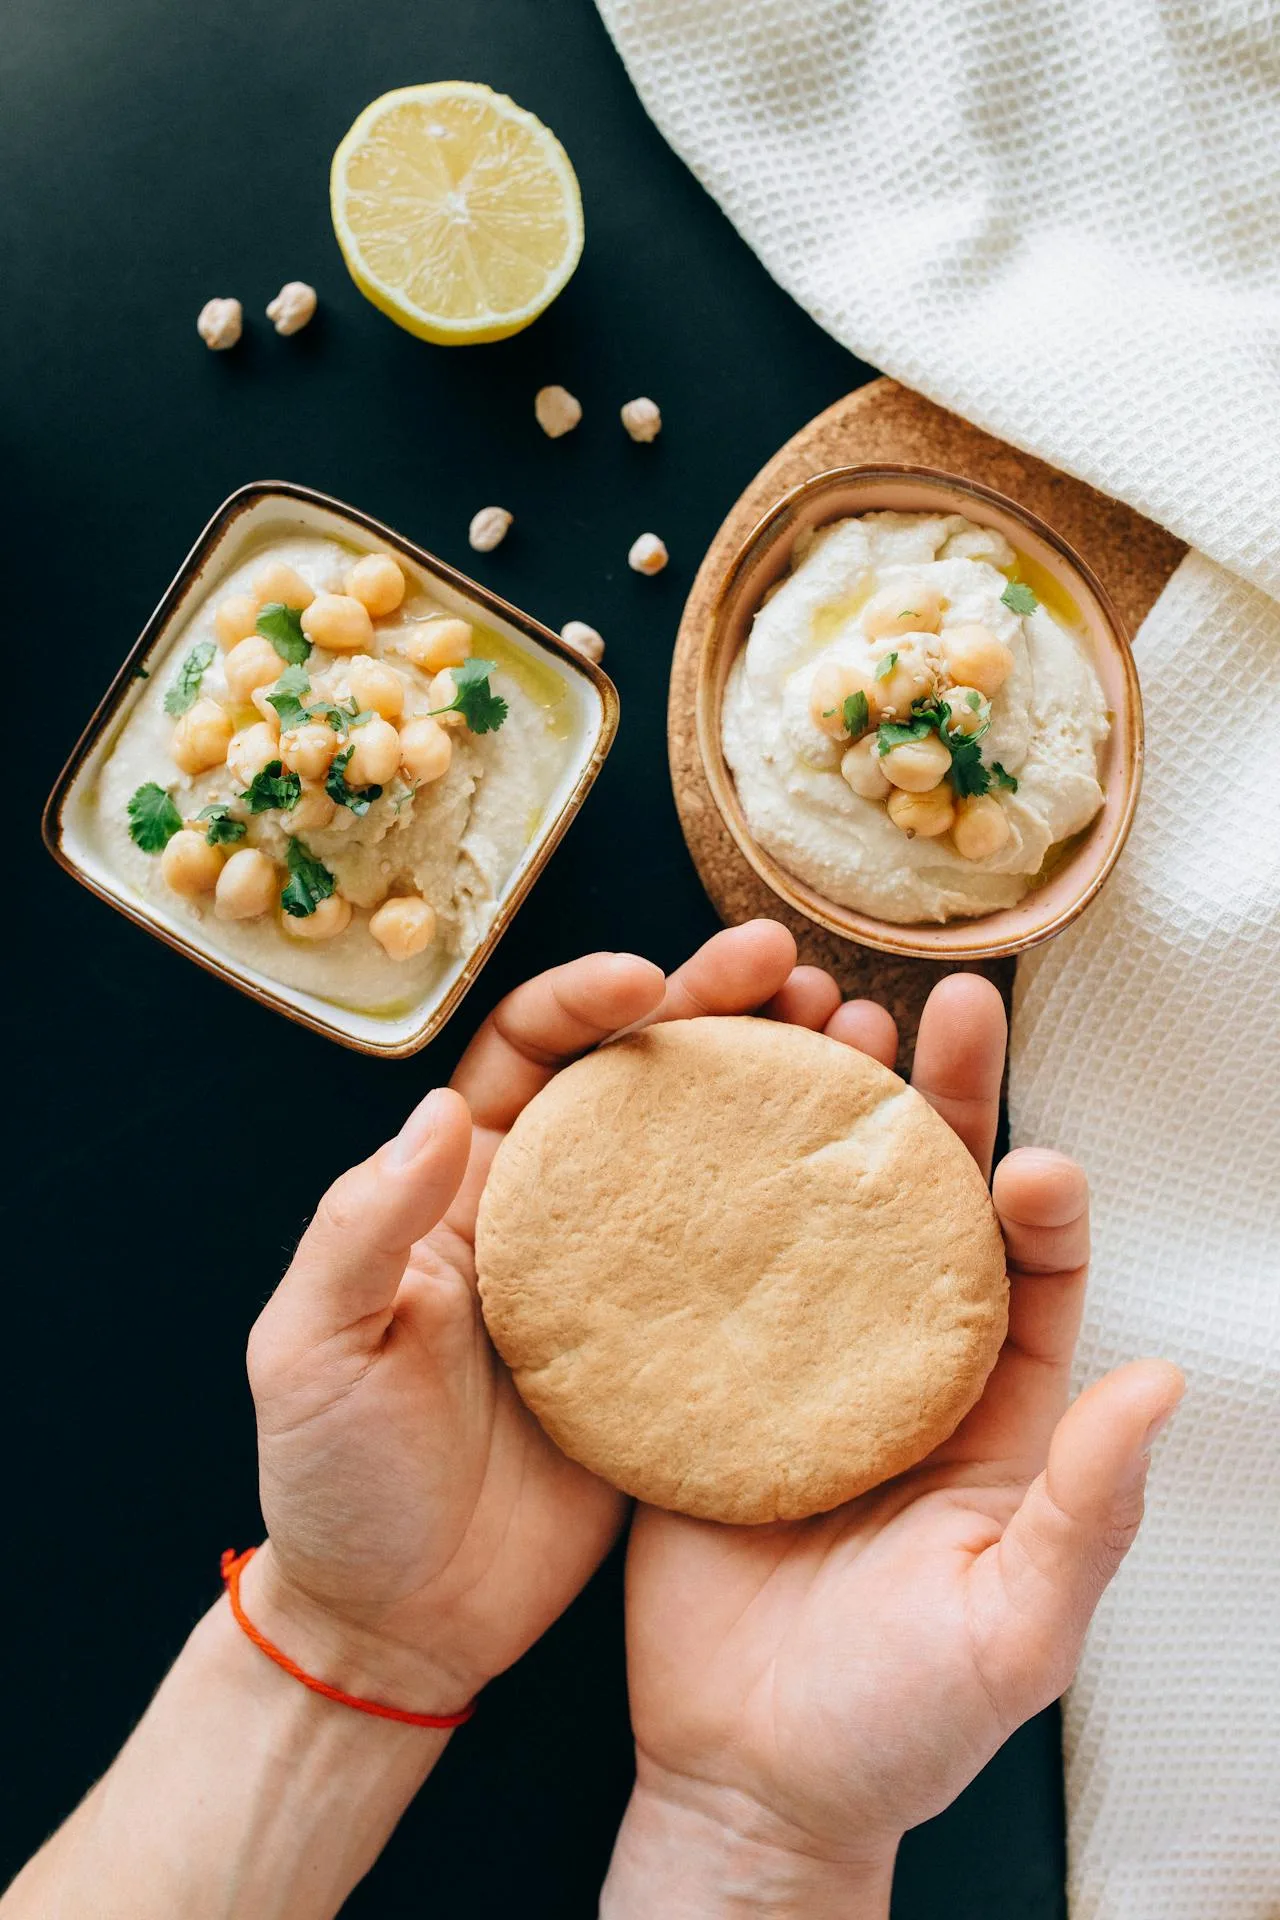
x=587 y=718
x=1052 y=568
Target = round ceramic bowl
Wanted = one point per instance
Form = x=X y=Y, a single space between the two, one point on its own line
x=1050 y=566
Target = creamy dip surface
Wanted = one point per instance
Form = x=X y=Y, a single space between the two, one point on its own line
x=452 y=841
x=1042 y=726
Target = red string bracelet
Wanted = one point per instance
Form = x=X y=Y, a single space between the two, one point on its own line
x=233 y=1565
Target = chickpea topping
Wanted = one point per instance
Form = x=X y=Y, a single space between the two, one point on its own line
x=648 y=554
x=969 y=709
x=918 y=766
x=425 y=749
x=375 y=687
x=584 y=639
x=489 y=528
x=251 y=750
x=284 y=585
x=201 y=737
x=833 y=683
x=403 y=926
x=642 y=419
x=975 y=658
x=556 y=410
x=235 y=617
x=862 y=770
x=377 y=582
x=375 y=754
x=926 y=814
x=339 y=623
x=313 y=809
x=331 y=917
x=220 y=324
x=252 y=662
x=981 y=827
x=307 y=750
x=270 y=718
x=247 y=886
x=189 y=864
x=439 y=644
x=904 y=606
x=442 y=692
x=292 y=307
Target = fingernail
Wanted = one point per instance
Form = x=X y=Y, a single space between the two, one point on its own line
x=416 y=1131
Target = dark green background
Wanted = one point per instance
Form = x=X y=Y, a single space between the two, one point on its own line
x=155 y=153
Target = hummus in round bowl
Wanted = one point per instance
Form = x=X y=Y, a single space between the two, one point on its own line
x=914 y=724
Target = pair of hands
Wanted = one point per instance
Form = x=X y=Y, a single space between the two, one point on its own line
x=800 y=1694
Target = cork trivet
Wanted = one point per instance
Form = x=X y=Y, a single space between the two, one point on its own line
x=886 y=422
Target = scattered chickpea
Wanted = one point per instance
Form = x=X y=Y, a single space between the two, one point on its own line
x=331 y=917
x=981 y=827
x=969 y=709
x=911 y=677
x=375 y=754
x=403 y=926
x=918 y=766
x=283 y=584
x=250 y=750
x=648 y=554
x=247 y=886
x=489 y=528
x=585 y=639
x=861 y=769
x=557 y=411
x=270 y=718
x=441 y=694
x=202 y=736
x=220 y=324
x=642 y=419
x=189 y=864
x=975 y=658
x=425 y=749
x=903 y=606
x=307 y=750
x=376 y=687
x=252 y=662
x=292 y=307
x=926 y=814
x=311 y=811
x=377 y=582
x=339 y=623
x=438 y=644
x=236 y=617
x=834 y=682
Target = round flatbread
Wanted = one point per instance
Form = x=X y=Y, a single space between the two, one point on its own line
x=740 y=1270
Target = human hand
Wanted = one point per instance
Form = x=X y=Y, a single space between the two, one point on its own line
x=423 y=1530
x=802 y=1694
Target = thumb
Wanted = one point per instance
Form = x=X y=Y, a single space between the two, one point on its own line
x=352 y=1257
x=1076 y=1522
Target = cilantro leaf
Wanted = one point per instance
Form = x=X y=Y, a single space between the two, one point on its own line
x=968 y=773
x=890 y=735
x=886 y=666
x=856 y=713
x=483 y=710
x=222 y=829
x=309 y=882
x=272 y=787
x=973 y=699
x=282 y=626
x=153 y=818
x=1003 y=779
x=288 y=694
x=1019 y=598
x=181 y=696
x=359 y=799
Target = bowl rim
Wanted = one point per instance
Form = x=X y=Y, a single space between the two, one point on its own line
x=215 y=528
x=913 y=939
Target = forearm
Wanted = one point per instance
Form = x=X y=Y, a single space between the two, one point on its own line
x=240 y=1794
x=685 y=1855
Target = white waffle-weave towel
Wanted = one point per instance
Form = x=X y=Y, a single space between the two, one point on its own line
x=1061 y=218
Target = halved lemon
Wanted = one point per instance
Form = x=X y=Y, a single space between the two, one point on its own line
x=457 y=212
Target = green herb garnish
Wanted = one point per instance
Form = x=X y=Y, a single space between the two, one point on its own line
x=309 y=882
x=181 y=696
x=221 y=829
x=968 y=773
x=855 y=713
x=890 y=734
x=973 y=699
x=1003 y=779
x=483 y=710
x=287 y=696
x=359 y=799
x=272 y=787
x=886 y=666
x=282 y=626
x=1019 y=598
x=153 y=818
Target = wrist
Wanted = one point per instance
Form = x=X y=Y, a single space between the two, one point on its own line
x=345 y=1653
x=691 y=1851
